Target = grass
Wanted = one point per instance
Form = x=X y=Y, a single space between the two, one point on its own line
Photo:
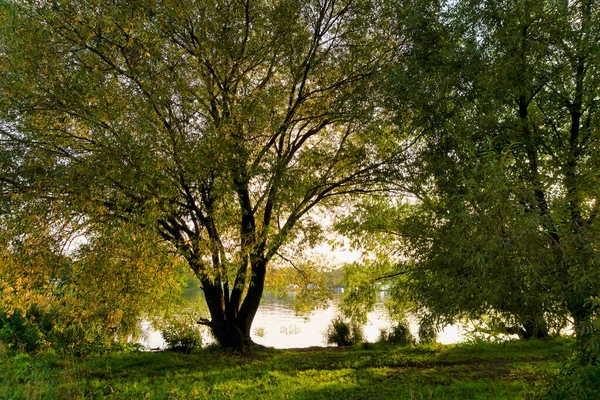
x=480 y=371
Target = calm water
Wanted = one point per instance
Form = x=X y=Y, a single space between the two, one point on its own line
x=277 y=325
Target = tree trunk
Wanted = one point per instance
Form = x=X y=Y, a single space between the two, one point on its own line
x=232 y=334
x=231 y=321
x=231 y=330
x=532 y=325
x=535 y=326
x=581 y=315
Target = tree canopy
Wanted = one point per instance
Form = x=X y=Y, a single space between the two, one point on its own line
x=219 y=125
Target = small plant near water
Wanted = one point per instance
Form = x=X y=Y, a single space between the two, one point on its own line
x=259 y=332
x=342 y=333
x=398 y=334
x=181 y=332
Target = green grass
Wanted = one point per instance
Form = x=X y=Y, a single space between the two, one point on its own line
x=482 y=371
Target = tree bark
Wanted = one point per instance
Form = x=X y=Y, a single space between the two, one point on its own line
x=535 y=326
x=231 y=321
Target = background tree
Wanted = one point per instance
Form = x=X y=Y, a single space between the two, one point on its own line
x=219 y=124
x=501 y=98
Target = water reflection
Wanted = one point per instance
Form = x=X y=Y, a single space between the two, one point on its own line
x=277 y=325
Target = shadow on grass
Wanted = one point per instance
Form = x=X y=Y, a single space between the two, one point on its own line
x=386 y=372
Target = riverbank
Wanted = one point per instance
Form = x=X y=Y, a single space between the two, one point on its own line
x=461 y=371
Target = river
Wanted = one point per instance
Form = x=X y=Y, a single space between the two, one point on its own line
x=277 y=325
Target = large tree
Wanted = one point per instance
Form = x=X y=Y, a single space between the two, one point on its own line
x=219 y=123
x=502 y=98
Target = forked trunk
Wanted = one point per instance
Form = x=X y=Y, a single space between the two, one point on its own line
x=231 y=317
x=232 y=334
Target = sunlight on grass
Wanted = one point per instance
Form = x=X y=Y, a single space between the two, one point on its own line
x=436 y=371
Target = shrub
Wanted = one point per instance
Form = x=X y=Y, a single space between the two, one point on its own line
x=39 y=328
x=574 y=381
x=181 y=332
x=25 y=331
x=399 y=334
x=19 y=334
x=582 y=382
x=80 y=339
x=342 y=333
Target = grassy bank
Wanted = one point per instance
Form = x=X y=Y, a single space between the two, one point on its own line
x=482 y=371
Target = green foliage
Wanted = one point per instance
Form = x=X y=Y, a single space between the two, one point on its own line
x=41 y=330
x=579 y=376
x=87 y=301
x=577 y=383
x=360 y=296
x=23 y=332
x=181 y=332
x=589 y=334
x=399 y=334
x=497 y=204
x=305 y=286
x=575 y=380
x=79 y=339
x=343 y=333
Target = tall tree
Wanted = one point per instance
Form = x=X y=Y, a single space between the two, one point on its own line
x=503 y=105
x=219 y=123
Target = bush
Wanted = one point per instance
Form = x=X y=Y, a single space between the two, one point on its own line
x=399 y=334
x=24 y=331
x=17 y=334
x=427 y=332
x=574 y=381
x=38 y=328
x=342 y=333
x=83 y=339
x=181 y=332
x=582 y=383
